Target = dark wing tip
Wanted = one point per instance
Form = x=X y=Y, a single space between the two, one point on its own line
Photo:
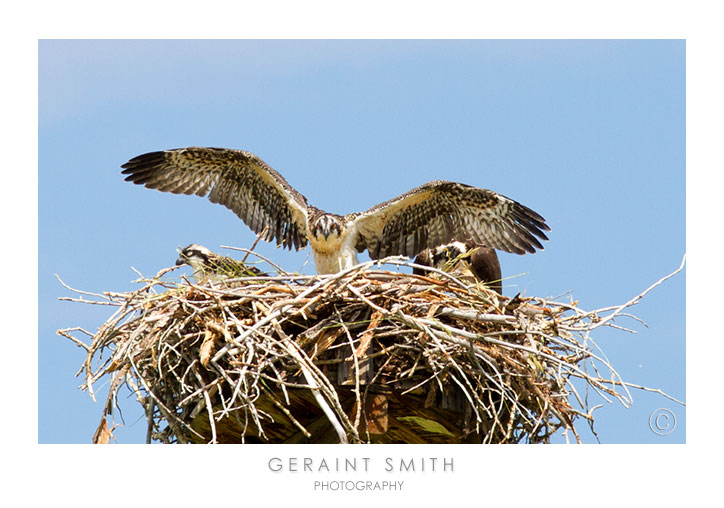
x=139 y=168
x=143 y=160
x=531 y=226
x=532 y=216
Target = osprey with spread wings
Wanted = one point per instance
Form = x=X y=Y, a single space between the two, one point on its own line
x=425 y=217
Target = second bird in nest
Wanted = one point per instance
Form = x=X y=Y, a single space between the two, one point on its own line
x=208 y=266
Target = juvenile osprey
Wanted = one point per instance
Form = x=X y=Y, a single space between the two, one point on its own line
x=209 y=266
x=430 y=215
x=482 y=262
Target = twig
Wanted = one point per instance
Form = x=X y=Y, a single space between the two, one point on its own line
x=636 y=299
x=271 y=345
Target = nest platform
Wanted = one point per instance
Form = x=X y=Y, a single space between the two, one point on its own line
x=363 y=356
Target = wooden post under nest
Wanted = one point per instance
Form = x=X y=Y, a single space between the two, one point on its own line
x=386 y=418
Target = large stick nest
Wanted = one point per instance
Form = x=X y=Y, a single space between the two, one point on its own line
x=366 y=355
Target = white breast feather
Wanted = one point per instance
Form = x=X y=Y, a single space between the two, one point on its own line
x=337 y=253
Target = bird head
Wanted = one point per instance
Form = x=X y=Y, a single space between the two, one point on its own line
x=194 y=255
x=326 y=228
x=447 y=253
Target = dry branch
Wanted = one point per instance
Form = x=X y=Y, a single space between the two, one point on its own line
x=366 y=355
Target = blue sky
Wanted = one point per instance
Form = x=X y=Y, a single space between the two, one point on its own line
x=590 y=134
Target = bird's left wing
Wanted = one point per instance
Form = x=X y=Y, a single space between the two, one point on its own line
x=439 y=212
x=239 y=180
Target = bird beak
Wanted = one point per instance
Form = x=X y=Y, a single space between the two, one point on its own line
x=180 y=261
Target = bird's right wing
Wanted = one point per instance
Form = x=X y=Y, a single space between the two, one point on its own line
x=239 y=180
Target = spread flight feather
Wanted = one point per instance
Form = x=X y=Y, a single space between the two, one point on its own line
x=425 y=217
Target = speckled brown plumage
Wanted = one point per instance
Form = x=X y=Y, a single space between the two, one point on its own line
x=439 y=212
x=239 y=180
x=482 y=261
x=425 y=217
